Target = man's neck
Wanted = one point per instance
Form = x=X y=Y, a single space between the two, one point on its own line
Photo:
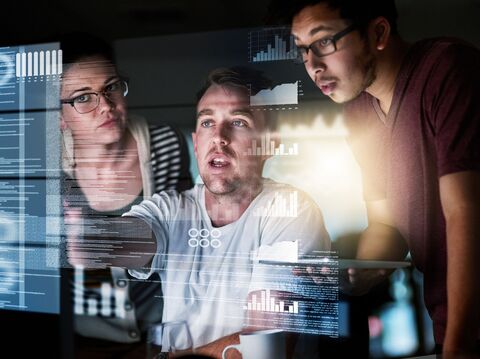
x=224 y=209
x=389 y=62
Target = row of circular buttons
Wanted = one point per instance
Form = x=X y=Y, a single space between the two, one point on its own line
x=207 y=238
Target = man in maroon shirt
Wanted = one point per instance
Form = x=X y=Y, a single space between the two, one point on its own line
x=414 y=115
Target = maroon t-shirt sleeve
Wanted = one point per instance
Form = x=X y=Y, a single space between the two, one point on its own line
x=453 y=103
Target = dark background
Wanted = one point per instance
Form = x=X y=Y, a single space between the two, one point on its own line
x=33 y=21
x=190 y=37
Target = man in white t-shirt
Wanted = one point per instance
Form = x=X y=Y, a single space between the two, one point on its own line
x=206 y=237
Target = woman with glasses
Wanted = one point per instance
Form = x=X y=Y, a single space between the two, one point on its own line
x=111 y=160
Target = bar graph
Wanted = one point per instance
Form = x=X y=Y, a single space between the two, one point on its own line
x=7 y=68
x=98 y=302
x=268 y=303
x=280 y=206
x=267 y=148
x=38 y=63
x=272 y=45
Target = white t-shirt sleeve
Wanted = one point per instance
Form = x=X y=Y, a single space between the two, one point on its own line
x=156 y=212
x=307 y=228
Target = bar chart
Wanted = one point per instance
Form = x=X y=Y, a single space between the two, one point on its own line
x=267 y=148
x=38 y=63
x=272 y=45
x=280 y=206
x=100 y=301
x=7 y=67
x=268 y=303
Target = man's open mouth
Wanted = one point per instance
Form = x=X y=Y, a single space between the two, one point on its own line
x=219 y=162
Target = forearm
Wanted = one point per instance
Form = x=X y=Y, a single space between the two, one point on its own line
x=381 y=242
x=460 y=196
x=102 y=242
x=214 y=349
x=463 y=258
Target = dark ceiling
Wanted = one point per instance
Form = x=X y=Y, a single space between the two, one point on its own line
x=37 y=21
x=34 y=21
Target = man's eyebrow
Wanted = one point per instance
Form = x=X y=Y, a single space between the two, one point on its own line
x=316 y=30
x=205 y=112
x=243 y=112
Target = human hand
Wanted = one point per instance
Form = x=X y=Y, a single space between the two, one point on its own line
x=351 y=281
x=356 y=281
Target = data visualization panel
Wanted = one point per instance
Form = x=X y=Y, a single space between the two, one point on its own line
x=29 y=177
x=272 y=44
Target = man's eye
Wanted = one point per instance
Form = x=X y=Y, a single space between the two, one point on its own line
x=83 y=98
x=239 y=123
x=325 y=42
x=206 y=123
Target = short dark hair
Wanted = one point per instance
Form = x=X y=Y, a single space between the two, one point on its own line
x=250 y=80
x=358 y=12
x=76 y=46
x=247 y=78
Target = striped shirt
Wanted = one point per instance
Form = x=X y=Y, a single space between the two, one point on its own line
x=169 y=159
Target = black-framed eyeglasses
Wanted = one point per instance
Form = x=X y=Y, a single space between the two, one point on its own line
x=89 y=101
x=324 y=46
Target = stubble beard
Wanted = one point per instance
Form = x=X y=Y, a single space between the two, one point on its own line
x=221 y=187
x=369 y=73
x=232 y=187
x=369 y=68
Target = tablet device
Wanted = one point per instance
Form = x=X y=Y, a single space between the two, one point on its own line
x=341 y=263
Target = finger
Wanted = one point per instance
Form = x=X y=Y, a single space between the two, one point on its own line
x=313 y=275
x=299 y=271
x=318 y=280
x=351 y=271
x=326 y=270
x=296 y=271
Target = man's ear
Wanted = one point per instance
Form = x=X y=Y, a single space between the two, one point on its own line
x=379 y=32
x=194 y=140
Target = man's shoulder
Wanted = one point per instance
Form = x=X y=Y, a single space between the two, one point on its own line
x=172 y=195
x=175 y=202
x=169 y=205
x=271 y=186
x=437 y=56
x=439 y=44
x=272 y=189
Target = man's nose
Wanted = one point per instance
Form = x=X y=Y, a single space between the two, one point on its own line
x=315 y=63
x=222 y=135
